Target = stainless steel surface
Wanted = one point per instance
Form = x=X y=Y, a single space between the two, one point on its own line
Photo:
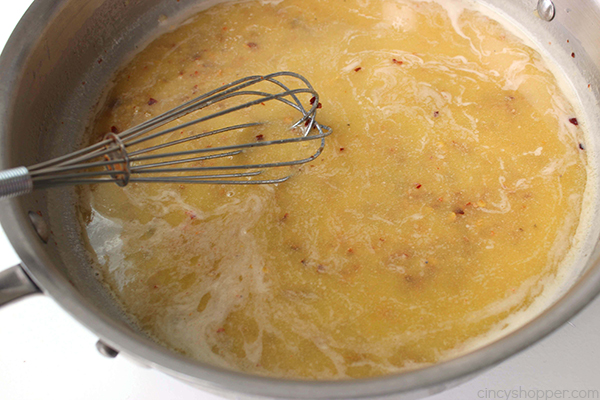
x=41 y=227
x=15 y=182
x=546 y=10
x=43 y=100
x=106 y=350
x=15 y=284
x=127 y=157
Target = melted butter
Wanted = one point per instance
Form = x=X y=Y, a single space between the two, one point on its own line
x=444 y=202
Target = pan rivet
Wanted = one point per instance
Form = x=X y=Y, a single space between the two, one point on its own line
x=106 y=350
x=546 y=10
x=41 y=228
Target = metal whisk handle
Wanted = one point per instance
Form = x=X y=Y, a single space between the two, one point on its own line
x=15 y=182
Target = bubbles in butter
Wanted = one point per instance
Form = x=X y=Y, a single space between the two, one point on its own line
x=438 y=216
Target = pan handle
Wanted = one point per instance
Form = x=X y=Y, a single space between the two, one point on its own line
x=14 y=284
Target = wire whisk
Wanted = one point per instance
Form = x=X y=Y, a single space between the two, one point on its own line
x=135 y=155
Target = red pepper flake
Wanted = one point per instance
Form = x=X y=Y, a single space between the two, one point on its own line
x=589 y=85
x=260 y=138
x=574 y=121
x=83 y=83
x=224 y=28
x=357 y=69
x=350 y=251
x=319 y=105
x=573 y=55
x=152 y=101
x=567 y=40
x=436 y=114
x=341 y=149
x=312 y=101
x=581 y=147
x=252 y=45
x=114 y=129
x=468 y=204
x=191 y=214
x=459 y=211
x=397 y=61
x=220 y=330
x=419 y=186
x=285 y=216
x=441 y=199
x=155 y=286
x=100 y=61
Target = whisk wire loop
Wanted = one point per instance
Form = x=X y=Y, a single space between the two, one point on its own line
x=121 y=158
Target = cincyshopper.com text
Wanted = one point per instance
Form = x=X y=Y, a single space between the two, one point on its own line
x=537 y=394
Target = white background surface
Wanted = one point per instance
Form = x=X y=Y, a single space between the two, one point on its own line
x=45 y=354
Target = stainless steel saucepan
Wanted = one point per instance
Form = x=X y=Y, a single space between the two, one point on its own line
x=53 y=71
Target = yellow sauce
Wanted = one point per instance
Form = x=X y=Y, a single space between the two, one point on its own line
x=447 y=195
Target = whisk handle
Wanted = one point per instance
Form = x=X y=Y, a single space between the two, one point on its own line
x=15 y=182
